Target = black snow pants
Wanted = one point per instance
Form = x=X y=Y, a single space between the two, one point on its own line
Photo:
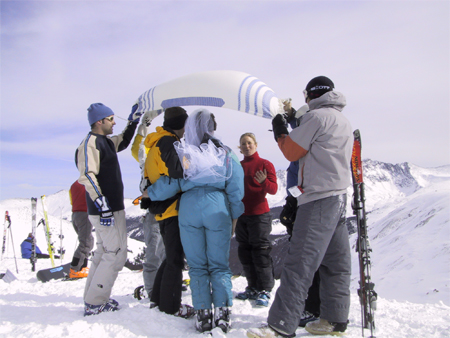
x=166 y=292
x=252 y=234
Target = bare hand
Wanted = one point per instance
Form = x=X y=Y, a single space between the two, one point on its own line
x=287 y=105
x=260 y=176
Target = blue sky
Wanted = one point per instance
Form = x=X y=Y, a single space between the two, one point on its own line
x=389 y=58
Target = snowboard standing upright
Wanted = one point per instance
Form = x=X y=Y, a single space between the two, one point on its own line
x=366 y=292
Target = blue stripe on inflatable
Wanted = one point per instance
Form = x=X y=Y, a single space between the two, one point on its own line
x=144 y=100
x=240 y=91
x=193 y=101
x=268 y=95
x=247 y=95
x=256 y=97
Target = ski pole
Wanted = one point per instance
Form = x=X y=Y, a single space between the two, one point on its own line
x=12 y=242
x=5 y=229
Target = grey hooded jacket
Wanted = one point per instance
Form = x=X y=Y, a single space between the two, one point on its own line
x=326 y=134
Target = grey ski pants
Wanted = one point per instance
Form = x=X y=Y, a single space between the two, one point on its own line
x=154 y=251
x=83 y=228
x=109 y=258
x=319 y=241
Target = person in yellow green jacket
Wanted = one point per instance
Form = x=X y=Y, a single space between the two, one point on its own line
x=162 y=160
x=154 y=245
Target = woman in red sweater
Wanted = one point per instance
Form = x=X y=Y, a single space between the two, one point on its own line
x=255 y=224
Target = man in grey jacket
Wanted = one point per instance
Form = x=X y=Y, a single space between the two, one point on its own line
x=323 y=145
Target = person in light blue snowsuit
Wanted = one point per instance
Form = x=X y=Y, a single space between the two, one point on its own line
x=213 y=187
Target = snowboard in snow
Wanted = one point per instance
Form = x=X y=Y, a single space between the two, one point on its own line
x=58 y=272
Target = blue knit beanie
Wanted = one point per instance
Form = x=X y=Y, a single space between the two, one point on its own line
x=97 y=112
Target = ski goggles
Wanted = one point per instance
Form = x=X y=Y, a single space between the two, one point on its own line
x=305 y=94
x=110 y=118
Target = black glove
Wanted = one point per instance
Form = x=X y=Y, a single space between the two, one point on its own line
x=279 y=126
x=106 y=215
x=145 y=203
x=288 y=214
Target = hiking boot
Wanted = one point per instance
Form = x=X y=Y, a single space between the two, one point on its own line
x=83 y=273
x=90 y=309
x=185 y=311
x=306 y=318
x=267 y=332
x=203 y=320
x=222 y=318
x=249 y=293
x=324 y=327
x=263 y=298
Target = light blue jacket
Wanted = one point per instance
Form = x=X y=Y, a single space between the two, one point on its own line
x=233 y=188
x=205 y=218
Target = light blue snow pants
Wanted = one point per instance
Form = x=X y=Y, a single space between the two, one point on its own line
x=319 y=241
x=109 y=258
x=205 y=231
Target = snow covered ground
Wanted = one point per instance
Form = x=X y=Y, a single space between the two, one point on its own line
x=29 y=308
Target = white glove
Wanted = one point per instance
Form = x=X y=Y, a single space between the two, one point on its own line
x=147 y=118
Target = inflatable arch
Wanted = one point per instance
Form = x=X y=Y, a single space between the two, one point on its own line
x=226 y=89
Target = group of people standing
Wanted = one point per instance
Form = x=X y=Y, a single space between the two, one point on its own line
x=197 y=195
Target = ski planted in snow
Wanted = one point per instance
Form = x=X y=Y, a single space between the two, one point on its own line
x=5 y=229
x=33 y=232
x=48 y=234
x=366 y=292
x=8 y=228
x=61 y=249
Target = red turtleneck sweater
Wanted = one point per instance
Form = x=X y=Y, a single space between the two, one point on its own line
x=254 y=200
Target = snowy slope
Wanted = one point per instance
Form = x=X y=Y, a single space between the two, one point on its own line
x=408 y=217
x=29 y=308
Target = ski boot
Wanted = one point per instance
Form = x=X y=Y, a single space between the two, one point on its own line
x=203 y=320
x=222 y=318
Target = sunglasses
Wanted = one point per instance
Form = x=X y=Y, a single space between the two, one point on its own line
x=110 y=118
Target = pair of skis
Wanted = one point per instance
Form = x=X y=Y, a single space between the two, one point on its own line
x=366 y=292
x=48 y=234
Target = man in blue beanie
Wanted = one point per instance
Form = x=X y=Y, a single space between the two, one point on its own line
x=97 y=162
